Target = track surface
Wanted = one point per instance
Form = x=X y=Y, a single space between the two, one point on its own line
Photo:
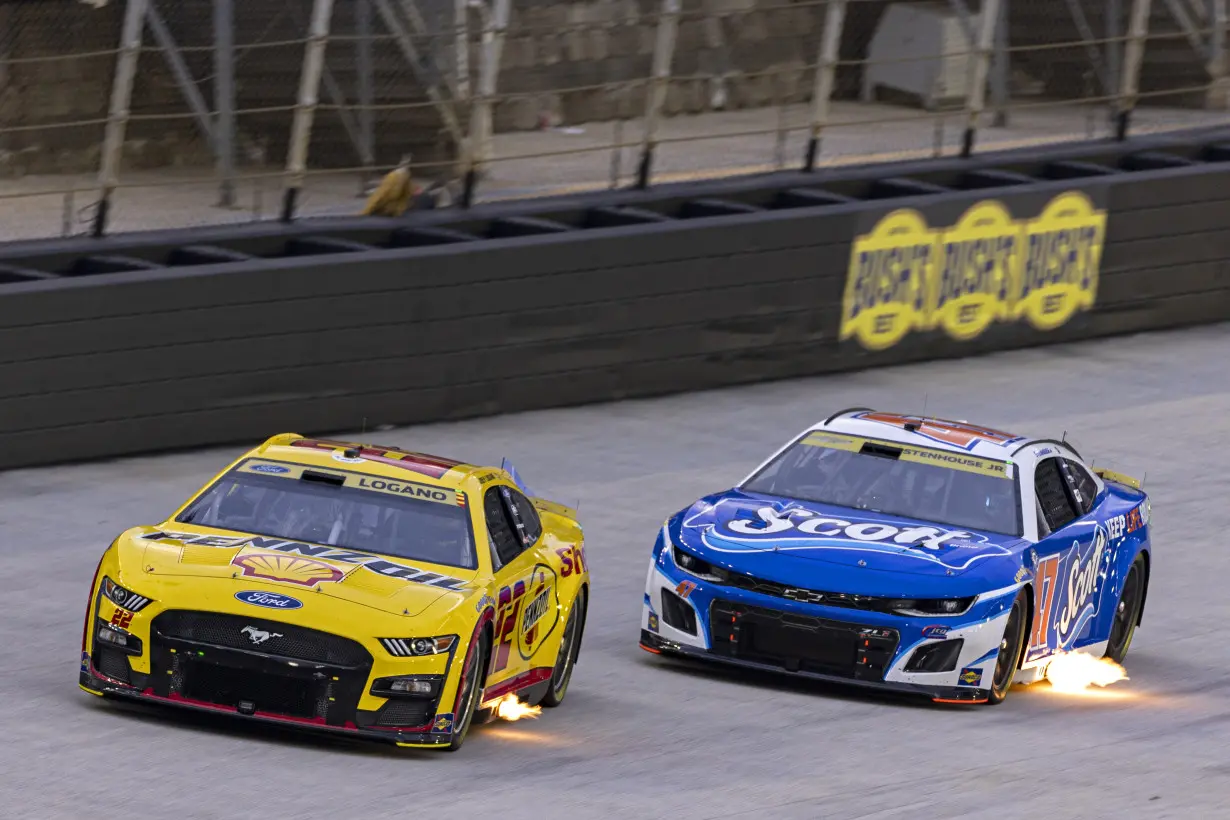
x=639 y=737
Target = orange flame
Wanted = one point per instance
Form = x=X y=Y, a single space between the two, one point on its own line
x=1075 y=672
x=511 y=708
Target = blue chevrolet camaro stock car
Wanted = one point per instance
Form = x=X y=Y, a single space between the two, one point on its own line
x=907 y=553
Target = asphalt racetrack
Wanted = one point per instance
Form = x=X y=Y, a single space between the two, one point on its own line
x=639 y=737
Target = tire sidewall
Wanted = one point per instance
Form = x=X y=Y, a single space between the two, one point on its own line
x=1021 y=602
x=478 y=657
x=557 y=686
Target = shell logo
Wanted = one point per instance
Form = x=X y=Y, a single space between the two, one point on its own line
x=290 y=569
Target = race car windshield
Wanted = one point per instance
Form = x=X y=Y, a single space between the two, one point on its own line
x=935 y=486
x=367 y=513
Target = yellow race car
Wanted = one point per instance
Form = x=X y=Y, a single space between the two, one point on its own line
x=345 y=587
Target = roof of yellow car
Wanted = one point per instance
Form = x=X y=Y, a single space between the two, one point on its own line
x=392 y=461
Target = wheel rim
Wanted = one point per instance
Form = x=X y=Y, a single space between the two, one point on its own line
x=1006 y=662
x=563 y=662
x=1125 y=615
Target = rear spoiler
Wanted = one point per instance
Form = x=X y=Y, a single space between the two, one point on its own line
x=554 y=507
x=1118 y=478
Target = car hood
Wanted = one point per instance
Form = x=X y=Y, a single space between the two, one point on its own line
x=765 y=535
x=242 y=563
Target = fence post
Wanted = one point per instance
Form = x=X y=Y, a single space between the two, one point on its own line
x=461 y=23
x=478 y=149
x=305 y=107
x=1001 y=68
x=224 y=99
x=117 y=117
x=1133 y=57
x=826 y=73
x=976 y=95
x=663 y=56
x=363 y=60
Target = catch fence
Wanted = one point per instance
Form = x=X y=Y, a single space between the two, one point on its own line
x=119 y=115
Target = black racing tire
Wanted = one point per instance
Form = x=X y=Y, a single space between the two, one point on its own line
x=1127 y=612
x=566 y=660
x=1010 y=648
x=472 y=688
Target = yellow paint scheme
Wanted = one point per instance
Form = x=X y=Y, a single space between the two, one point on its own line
x=348 y=598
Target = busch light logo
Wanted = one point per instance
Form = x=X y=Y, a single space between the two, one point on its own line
x=269 y=600
x=795 y=528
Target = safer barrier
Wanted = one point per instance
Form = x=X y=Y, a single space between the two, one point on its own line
x=179 y=339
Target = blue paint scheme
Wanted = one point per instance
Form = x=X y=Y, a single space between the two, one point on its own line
x=728 y=530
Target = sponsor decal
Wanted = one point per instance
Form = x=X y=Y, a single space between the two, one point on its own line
x=443 y=724
x=875 y=632
x=794 y=528
x=906 y=276
x=956 y=461
x=269 y=600
x=484 y=602
x=527 y=613
x=272 y=469
x=1135 y=518
x=573 y=558
x=259 y=636
x=684 y=588
x=288 y=569
x=653 y=622
x=935 y=631
x=121 y=618
x=391 y=486
x=1021 y=575
x=372 y=563
x=1066 y=601
x=969 y=677
x=85 y=662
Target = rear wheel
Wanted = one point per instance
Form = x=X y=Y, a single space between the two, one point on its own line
x=1127 y=612
x=471 y=691
x=1010 y=648
x=566 y=660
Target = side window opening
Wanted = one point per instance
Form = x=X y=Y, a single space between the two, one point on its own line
x=1050 y=485
x=1081 y=484
x=504 y=537
x=526 y=517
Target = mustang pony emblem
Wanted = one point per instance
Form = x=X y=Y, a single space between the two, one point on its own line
x=259 y=635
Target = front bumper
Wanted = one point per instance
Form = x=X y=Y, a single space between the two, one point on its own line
x=687 y=616
x=322 y=683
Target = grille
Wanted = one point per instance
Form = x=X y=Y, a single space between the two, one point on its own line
x=112 y=663
x=405 y=713
x=677 y=613
x=223 y=685
x=292 y=641
x=801 y=642
x=866 y=603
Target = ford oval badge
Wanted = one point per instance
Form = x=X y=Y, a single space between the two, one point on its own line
x=269 y=600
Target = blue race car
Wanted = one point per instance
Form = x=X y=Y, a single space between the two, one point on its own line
x=906 y=553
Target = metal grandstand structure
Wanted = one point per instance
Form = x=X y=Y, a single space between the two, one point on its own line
x=452 y=53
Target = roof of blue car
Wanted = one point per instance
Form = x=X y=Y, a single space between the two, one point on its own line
x=925 y=431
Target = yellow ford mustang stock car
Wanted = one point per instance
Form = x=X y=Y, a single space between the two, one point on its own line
x=345 y=587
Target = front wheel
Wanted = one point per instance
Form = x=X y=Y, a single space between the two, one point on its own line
x=1010 y=648
x=566 y=660
x=1127 y=612
x=471 y=691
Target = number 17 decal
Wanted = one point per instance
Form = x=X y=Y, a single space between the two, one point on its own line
x=1046 y=576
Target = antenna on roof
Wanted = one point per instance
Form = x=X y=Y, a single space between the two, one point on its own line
x=1143 y=479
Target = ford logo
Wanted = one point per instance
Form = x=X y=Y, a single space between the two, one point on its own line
x=269 y=468
x=270 y=600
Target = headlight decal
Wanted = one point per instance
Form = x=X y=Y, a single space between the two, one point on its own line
x=418 y=647
x=122 y=597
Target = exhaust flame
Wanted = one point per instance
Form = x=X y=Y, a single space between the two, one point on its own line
x=1075 y=672
x=511 y=708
